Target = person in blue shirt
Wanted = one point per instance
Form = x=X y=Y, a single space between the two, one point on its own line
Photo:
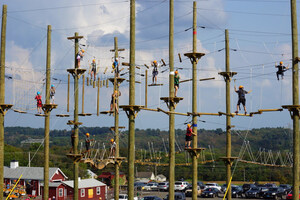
x=116 y=65
x=242 y=98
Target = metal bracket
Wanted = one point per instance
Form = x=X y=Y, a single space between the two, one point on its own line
x=4 y=108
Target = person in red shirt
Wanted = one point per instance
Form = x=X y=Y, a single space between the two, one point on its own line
x=39 y=104
x=189 y=136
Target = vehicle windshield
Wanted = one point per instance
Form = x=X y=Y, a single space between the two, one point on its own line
x=254 y=189
x=162 y=184
x=235 y=188
x=273 y=189
x=178 y=183
x=210 y=184
x=149 y=198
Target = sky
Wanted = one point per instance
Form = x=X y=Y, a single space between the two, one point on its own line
x=260 y=37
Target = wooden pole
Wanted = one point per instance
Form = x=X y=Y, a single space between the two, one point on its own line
x=228 y=118
x=146 y=88
x=98 y=97
x=194 y=107
x=116 y=88
x=47 y=116
x=82 y=103
x=68 y=97
x=131 y=136
x=295 y=99
x=2 y=95
x=171 y=108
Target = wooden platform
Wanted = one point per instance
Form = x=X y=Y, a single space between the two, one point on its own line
x=71 y=122
x=85 y=114
x=5 y=107
x=106 y=112
x=119 y=80
x=229 y=160
x=194 y=57
x=194 y=151
x=76 y=72
x=40 y=115
x=171 y=101
x=131 y=109
x=49 y=107
x=293 y=109
x=19 y=111
x=155 y=84
x=112 y=128
x=75 y=157
x=63 y=115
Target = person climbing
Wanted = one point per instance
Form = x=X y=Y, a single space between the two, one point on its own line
x=112 y=148
x=79 y=56
x=281 y=70
x=113 y=102
x=87 y=144
x=52 y=93
x=39 y=103
x=176 y=82
x=94 y=69
x=188 y=136
x=154 y=71
x=72 y=141
x=115 y=66
x=242 y=98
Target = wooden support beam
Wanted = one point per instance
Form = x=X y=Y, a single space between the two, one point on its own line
x=199 y=114
x=150 y=109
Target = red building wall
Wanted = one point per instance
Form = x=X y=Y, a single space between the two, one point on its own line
x=58 y=176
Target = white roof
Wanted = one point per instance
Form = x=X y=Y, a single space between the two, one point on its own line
x=85 y=183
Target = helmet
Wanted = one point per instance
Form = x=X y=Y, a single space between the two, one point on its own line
x=82 y=50
x=117 y=59
x=176 y=72
x=188 y=125
x=52 y=85
x=87 y=134
x=38 y=93
x=155 y=61
x=94 y=60
x=240 y=87
x=116 y=91
x=281 y=62
x=111 y=140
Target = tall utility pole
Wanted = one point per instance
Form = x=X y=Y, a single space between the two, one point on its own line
x=3 y=107
x=295 y=108
x=76 y=73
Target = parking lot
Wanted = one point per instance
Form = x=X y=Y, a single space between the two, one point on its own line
x=163 y=195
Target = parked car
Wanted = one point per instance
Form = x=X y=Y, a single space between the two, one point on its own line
x=189 y=191
x=287 y=188
x=180 y=185
x=253 y=193
x=213 y=185
x=125 y=197
x=151 y=198
x=164 y=186
x=151 y=186
x=177 y=196
x=274 y=193
x=210 y=192
x=236 y=191
x=224 y=187
x=290 y=195
x=270 y=185
x=247 y=186
x=139 y=185
x=262 y=191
